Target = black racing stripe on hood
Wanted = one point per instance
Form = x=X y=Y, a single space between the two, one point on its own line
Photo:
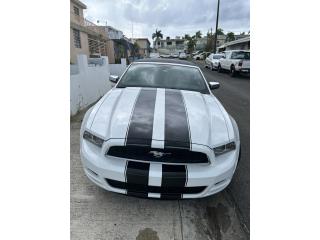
x=141 y=122
x=137 y=177
x=176 y=121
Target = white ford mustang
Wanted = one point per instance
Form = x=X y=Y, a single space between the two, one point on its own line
x=160 y=133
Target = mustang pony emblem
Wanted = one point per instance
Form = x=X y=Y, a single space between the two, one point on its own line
x=157 y=154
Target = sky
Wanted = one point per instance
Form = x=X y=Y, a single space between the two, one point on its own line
x=172 y=17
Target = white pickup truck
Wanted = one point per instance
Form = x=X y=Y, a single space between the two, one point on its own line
x=235 y=61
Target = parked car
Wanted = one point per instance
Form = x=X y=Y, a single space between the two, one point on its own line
x=212 y=61
x=165 y=55
x=201 y=56
x=174 y=55
x=196 y=53
x=235 y=61
x=95 y=55
x=160 y=133
x=154 y=55
x=182 y=55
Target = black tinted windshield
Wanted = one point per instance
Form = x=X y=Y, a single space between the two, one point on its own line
x=164 y=76
x=241 y=55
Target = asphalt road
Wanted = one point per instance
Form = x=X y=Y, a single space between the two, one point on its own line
x=234 y=94
x=99 y=214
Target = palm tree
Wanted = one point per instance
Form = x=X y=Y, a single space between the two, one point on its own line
x=230 y=37
x=198 y=34
x=191 y=44
x=157 y=35
x=187 y=37
x=220 y=31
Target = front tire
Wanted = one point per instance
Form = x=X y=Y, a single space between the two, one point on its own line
x=219 y=68
x=211 y=67
x=233 y=72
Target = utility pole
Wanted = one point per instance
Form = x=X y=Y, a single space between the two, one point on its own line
x=211 y=40
x=132 y=28
x=216 y=34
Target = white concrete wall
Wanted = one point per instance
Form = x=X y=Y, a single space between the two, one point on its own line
x=118 y=69
x=91 y=82
x=88 y=85
x=74 y=69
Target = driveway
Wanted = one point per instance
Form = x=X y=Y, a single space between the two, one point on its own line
x=98 y=214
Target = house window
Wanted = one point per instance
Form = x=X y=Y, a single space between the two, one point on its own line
x=76 y=38
x=169 y=43
x=76 y=10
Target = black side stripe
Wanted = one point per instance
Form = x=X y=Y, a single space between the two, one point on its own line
x=137 y=177
x=141 y=123
x=176 y=122
x=174 y=178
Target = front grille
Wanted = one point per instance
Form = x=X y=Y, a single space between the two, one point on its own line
x=154 y=189
x=169 y=155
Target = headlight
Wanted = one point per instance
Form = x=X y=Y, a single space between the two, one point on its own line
x=93 y=139
x=224 y=148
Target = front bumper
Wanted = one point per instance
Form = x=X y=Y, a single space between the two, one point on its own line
x=215 y=65
x=213 y=178
x=243 y=70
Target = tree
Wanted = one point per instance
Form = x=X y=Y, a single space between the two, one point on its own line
x=230 y=37
x=187 y=37
x=198 y=34
x=191 y=44
x=157 y=35
x=192 y=41
x=209 y=45
x=220 y=31
x=136 y=49
x=122 y=51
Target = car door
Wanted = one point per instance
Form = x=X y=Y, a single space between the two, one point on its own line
x=223 y=61
x=208 y=60
x=229 y=60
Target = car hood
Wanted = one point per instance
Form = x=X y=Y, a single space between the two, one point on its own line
x=150 y=116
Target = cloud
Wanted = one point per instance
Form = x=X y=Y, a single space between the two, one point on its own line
x=173 y=17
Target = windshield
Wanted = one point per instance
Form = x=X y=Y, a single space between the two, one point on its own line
x=241 y=55
x=217 y=56
x=164 y=76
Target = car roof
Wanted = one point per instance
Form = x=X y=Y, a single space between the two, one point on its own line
x=161 y=60
x=237 y=50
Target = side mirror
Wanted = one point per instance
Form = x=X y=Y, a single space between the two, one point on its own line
x=214 y=85
x=113 y=78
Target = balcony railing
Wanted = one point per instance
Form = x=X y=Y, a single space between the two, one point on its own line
x=87 y=24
